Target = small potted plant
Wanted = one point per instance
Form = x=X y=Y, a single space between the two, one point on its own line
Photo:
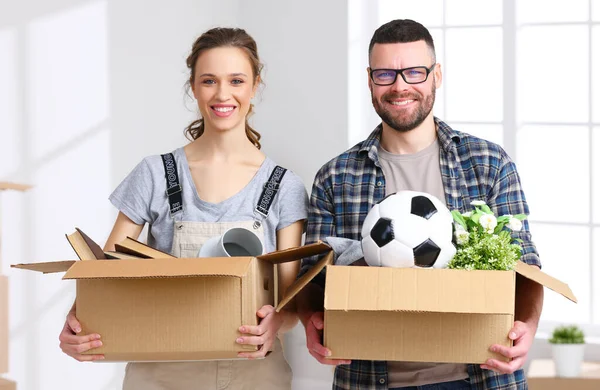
x=567 y=350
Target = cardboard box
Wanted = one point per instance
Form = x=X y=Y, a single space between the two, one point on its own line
x=3 y=324
x=172 y=309
x=420 y=315
x=6 y=185
x=542 y=376
x=5 y=384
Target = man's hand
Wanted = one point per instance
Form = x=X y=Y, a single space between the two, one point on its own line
x=314 y=334
x=522 y=336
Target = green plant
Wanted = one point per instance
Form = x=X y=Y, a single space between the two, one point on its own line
x=567 y=335
x=482 y=241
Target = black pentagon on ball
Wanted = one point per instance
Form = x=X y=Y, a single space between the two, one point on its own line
x=426 y=253
x=382 y=232
x=422 y=206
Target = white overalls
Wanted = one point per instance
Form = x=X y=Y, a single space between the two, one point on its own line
x=270 y=373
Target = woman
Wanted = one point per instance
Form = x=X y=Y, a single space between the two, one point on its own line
x=222 y=173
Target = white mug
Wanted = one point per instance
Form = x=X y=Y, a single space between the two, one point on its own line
x=234 y=242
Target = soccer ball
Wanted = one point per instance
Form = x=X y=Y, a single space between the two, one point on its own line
x=408 y=229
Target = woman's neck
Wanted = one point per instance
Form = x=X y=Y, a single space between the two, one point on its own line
x=223 y=146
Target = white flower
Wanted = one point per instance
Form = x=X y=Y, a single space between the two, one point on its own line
x=477 y=203
x=462 y=237
x=489 y=222
x=515 y=225
x=467 y=214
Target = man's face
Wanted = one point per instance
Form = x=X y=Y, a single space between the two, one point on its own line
x=403 y=106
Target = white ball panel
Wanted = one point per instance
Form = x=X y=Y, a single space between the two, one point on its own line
x=447 y=253
x=372 y=217
x=440 y=228
x=371 y=252
x=396 y=204
x=411 y=230
x=397 y=255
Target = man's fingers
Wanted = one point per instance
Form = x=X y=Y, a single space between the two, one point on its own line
x=518 y=330
x=503 y=367
x=313 y=342
x=329 y=362
x=317 y=321
x=509 y=352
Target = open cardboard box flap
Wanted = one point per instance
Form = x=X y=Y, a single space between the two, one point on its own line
x=170 y=267
x=532 y=272
x=237 y=266
x=47 y=267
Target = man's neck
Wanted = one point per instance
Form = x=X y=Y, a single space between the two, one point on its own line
x=409 y=142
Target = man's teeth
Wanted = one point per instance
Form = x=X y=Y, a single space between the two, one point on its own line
x=402 y=103
x=223 y=109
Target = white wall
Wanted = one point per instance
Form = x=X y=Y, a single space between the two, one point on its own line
x=89 y=87
x=149 y=42
x=302 y=111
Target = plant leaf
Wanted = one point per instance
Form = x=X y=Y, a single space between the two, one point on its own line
x=458 y=218
x=499 y=227
x=486 y=209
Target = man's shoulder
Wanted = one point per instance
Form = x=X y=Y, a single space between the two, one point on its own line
x=344 y=161
x=474 y=148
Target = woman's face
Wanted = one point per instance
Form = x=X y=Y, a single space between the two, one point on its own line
x=223 y=86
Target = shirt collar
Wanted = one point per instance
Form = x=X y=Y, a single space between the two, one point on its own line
x=447 y=137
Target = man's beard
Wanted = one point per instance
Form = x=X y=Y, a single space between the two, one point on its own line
x=414 y=120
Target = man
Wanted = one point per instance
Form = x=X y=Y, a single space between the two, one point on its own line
x=413 y=150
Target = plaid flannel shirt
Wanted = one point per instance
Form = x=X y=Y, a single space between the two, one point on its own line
x=348 y=186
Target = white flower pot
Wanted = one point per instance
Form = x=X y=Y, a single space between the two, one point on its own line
x=568 y=359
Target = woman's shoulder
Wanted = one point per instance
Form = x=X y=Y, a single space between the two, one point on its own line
x=156 y=164
x=290 y=178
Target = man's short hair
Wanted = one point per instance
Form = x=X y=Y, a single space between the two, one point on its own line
x=402 y=31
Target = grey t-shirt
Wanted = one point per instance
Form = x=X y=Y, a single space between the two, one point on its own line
x=141 y=197
x=417 y=172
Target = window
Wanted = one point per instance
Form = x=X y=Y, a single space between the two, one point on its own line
x=519 y=73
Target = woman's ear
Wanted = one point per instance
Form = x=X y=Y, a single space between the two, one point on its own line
x=256 y=84
x=193 y=89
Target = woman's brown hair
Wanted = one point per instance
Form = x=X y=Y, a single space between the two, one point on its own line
x=224 y=37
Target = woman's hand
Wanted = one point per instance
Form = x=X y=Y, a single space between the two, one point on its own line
x=74 y=345
x=263 y=334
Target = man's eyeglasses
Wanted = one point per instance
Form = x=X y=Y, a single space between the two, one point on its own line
x=414 y=75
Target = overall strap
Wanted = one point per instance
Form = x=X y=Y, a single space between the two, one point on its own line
x=267 y=196
x=174 y=189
